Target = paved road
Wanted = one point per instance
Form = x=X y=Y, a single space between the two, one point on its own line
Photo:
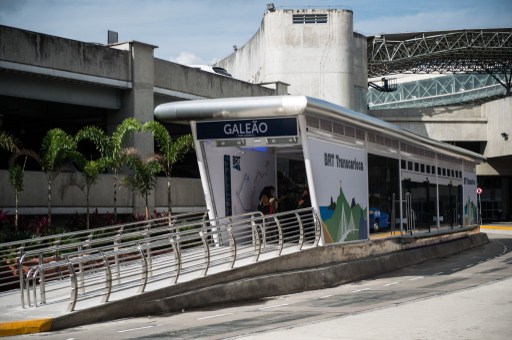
x=466 y=296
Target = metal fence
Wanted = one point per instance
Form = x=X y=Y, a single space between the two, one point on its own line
x=145 y=256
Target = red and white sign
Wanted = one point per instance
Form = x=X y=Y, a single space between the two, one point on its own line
x=478 y=191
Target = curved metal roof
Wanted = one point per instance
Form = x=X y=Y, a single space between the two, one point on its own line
x=272 y=106
x=467 y=51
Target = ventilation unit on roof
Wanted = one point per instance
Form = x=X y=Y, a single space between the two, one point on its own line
x=112 y=37
x=310 y=18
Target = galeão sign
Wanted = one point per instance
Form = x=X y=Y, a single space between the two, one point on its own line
x=247 y=128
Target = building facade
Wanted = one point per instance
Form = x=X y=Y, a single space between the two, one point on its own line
x=50 y=82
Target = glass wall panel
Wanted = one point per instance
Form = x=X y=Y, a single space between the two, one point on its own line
x=383 y=180
x=423 y=202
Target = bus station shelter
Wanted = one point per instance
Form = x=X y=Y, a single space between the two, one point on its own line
x=363 y=174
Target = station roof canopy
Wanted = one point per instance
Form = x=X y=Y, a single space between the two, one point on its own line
x=282 y=106
x=457 y=51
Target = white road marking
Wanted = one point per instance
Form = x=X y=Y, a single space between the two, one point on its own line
x=360 y=290
x=274 y=306
x=134 y=329
x=439 y=273
x=325 y=296
x=392 y=283
x=214 y=316
x=454 y=269
x=416 y=278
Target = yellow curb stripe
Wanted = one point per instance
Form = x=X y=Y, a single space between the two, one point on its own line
x=384 y=235
x=495 y=227
x=25 y=327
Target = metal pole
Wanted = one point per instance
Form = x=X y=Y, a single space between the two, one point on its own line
x=480 y=209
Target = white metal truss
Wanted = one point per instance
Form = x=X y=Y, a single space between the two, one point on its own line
x=485 y=51
x=469 y=51
x=449 y=89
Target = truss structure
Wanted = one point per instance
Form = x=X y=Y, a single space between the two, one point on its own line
x=462 y=51
x=444 y=90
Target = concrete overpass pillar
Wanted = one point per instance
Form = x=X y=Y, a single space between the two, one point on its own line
x=139 y=104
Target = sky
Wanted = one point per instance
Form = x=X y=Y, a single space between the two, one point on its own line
x=204 y=31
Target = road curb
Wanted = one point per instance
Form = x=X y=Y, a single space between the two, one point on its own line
x=25 y=327
x=497 y=227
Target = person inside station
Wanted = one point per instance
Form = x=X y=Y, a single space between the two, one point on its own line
x=267 y=201
x=304 y=200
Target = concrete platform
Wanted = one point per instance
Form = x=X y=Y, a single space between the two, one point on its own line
x=313 y=268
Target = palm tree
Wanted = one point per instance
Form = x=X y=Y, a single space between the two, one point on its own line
x=16 y=174
x=8 y=142
x=110 y=147
x=57 y=148
x=171 y=151
x=90 y=172
x=143 y=178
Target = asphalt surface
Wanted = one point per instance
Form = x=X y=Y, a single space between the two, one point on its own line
x=466 y=296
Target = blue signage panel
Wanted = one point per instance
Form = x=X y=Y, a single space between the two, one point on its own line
x=227 y=185
x=247 y=128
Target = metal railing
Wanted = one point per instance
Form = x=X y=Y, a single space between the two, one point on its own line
x=159 y=256
x=12 y=252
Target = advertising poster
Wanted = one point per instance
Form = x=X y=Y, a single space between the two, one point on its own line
x=237 y=177
x=470 y=199
x=341 y=188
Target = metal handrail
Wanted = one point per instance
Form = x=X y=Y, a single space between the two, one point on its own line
x=151 y=227
x=83 y=254
x=11 y=252
x=194 y=247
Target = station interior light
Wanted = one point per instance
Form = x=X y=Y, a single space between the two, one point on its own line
x=231 y=142
x=282 y=140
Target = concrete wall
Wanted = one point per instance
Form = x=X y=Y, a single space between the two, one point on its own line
x=36 y=49
x=499 y=116
x=314 y=59
x=459 y=123
x=360 y=55
x=186 y=194
x=188 y=80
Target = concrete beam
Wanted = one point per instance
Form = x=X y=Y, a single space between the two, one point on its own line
x=59 y=91
x=46 y=51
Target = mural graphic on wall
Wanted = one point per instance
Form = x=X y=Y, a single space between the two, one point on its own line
x=470 y=212
x=341 y=189
x=470 y=201
x=237 y=177
x=343 y=220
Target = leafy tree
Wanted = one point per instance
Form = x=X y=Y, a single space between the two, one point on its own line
x=57 y=148
x=110 y=147
x=143 y=178
x=171 y=151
